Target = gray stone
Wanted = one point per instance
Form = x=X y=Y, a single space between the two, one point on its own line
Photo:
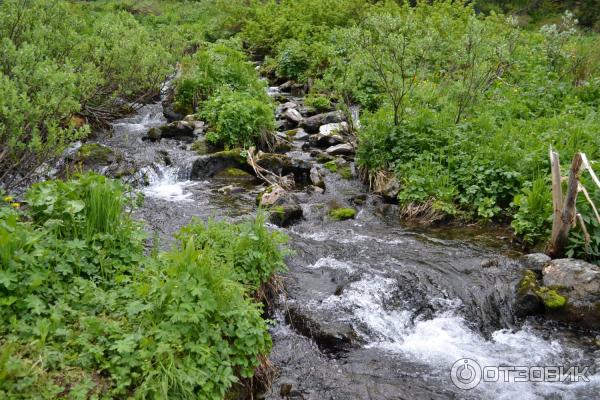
x=343 y=149
x=283 y=206
x=535 y=261
x=317 y=178
x=293 y=116
x=301 y=135
x=177 y=130
x=312 y=124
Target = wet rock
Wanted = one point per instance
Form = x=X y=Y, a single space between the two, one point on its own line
x=234 y=174
x=325 y=141
x=153 y=134
x=282 y=125
x=210 y=165
x=230 y=189
x=317 y=178
x=170 y=114
x=177 y=130
x=343 y=149
x=93 y=156
x=330 y=334
x=387 y=186
x=292 y=116
x=579 y=278
x=312 y=124
x=282 y=164
x=290 y=104
x=286 y=87
x=298 y=90
x=301 y=135
x=578 y=282
x=535 y=262
x=335 y=128
x=202 y=147
x=569 y=291
x=283 y=206
x=341 y=167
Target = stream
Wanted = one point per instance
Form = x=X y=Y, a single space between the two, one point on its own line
x=372 y=310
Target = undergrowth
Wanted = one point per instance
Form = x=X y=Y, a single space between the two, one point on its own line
x=86 y=313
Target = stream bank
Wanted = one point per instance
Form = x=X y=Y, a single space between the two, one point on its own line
x=372 y=310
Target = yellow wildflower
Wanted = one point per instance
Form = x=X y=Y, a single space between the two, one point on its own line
x=8 y=199
x=15 y=205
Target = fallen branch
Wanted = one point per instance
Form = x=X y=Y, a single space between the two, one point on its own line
x=264 y=174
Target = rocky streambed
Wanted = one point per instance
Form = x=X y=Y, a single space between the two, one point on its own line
x=371 y=310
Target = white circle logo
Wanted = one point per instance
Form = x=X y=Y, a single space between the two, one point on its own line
x=465 y=373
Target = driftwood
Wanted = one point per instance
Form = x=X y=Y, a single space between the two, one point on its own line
x=564 y=212
x=264 y=174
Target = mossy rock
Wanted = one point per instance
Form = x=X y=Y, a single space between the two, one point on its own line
x=234 y=174
x=210 y=165
x=528 y=282
x=340 y=214
x=94 y=154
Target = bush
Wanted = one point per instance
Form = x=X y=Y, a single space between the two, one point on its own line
x=238 y=118
x=85 y=313
x=58 y=62
x=207 y=71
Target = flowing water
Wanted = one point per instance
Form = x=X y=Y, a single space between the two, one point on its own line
x=373 y=310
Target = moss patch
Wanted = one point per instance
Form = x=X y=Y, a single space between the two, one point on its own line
x=343 y=170
x=94 y=153
x=529 y=281
x=550 y=296
x=340 y=214
x=552 y=299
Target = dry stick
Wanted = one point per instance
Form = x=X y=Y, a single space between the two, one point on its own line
x=560 y=237
x=262 y=172
x=557 y=195
x=589 y=199
x=586 y=235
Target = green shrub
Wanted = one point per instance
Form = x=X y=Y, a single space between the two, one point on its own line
x=58 y=62
x=85 y=313
x=319 y=102
x=207 y=71
x=238 y=118
x=533 y=218
x=253 y=252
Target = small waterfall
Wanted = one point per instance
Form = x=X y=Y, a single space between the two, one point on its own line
x=166 y=183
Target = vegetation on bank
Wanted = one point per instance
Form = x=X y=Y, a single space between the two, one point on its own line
x=86 y=313
x=461 y=106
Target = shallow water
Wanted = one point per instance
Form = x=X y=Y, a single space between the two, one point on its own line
x=372 y=310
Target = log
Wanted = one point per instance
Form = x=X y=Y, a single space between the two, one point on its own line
x=557 y=195
x=564 y=220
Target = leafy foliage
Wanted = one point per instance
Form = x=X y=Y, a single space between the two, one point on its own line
x=58 y=62
x=238 y=118
x=78 y=293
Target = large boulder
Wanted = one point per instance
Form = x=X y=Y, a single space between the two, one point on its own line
x=579 y=283
x=282 y=164
x=568 y=291
x=210 y=165
x=282 y=205
x=312 y=124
